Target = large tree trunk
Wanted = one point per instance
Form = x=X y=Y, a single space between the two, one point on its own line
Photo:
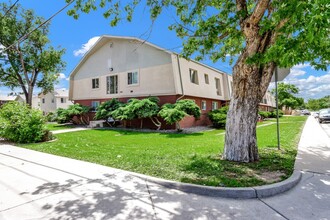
x=250 y=82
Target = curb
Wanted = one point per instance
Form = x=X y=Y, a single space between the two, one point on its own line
x=229 y=192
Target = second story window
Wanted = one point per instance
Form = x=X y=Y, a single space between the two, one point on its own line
x=53 y=100
x=206 y=77
x=63 y=100
x=112 y=84
x=218 y=86
x=43 y=100
x=132 y=78
x=193 y=76
x=95 y=83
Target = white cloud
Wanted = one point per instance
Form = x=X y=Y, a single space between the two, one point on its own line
x=85 y=47
x=61 y=76
x=296 y=72
x=301 y=66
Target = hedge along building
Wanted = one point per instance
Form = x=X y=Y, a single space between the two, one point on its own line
x=128 y=67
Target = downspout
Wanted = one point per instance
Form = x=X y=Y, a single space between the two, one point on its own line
x=230 y=90
x=179 y=68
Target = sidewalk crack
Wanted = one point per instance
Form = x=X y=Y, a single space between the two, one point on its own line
x=275 y=210
x=150 y=197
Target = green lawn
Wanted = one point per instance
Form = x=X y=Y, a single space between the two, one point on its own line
x=192 y=158
x=55 y=126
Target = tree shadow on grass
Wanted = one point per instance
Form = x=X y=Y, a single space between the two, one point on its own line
x=214 y=171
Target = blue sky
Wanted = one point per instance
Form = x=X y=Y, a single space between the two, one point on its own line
x=77 y=36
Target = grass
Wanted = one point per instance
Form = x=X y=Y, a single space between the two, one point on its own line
x=192 y=158
x=55 y=126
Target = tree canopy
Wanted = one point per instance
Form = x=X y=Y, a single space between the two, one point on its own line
x=26 y=57
x=263 y=34
x=317 y=104
x=286 y=96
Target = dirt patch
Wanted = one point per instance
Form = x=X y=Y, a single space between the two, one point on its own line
x=270 y=176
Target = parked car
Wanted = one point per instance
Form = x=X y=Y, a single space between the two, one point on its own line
x=305 y=112
x=316 y=114
x=324 y=115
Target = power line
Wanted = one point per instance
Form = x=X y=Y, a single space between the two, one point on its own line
x=21 y=39
x=11 y=7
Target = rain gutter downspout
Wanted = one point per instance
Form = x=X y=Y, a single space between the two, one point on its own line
x=179 y=68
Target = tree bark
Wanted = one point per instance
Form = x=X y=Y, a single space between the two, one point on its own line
x=250 y=82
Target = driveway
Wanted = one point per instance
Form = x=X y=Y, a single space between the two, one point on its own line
x=35 y=185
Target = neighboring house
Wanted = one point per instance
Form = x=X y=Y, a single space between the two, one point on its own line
x=35 y=100
x=51 y=101
x=268 y=102
x=4 y=99
x=127 y=67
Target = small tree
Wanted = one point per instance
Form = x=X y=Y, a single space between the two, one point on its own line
x=79 y=111
x=174 y=113
x=106 y=109
x=218 y=117
x=286 y=96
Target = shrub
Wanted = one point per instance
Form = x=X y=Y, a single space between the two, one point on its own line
x=105 y=110
x=264 y=114
x=62 y=116
x=218 y=117
x=51 y=117
x=273 y=114
x=19 y=123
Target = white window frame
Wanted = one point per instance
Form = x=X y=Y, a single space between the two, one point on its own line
x=214 y=105
x=203 y=105
x=94 y=84
x=63 y=100
x=130 y=79
x=108 y=89
x=193 y=74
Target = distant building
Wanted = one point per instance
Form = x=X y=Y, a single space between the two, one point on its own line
x=53 y=100
x=4 y=99
x=35 y=100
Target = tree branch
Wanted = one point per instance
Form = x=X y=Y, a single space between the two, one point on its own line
x=23 y=65
x=258 y=11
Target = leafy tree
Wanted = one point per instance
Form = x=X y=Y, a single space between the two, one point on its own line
x=26 y=58
x=317 y=104
x=62 y=115
x=174 y=113
x=264 y=34
x=80 y=111
x=105 y=109
x=218 y=117
x=286 y=96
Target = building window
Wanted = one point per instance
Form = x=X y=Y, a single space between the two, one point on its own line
x=206 y=77
x=203 y=105
x=95 y=105
x=217 y=86
x=63 y=100
x=95 y=83
x=43 y=100
x=132 y=78
x=265 y=101
x=193 y=76
x=53 y=100
x=112 y=84
x=214 y=105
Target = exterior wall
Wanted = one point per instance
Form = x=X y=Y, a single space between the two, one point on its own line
x=153 y=66
x=202 y=89
x=49 y=105
x=64 y=105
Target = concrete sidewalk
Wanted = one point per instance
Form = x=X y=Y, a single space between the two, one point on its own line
x=35 y=185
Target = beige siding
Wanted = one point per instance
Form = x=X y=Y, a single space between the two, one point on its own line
x=154 y=69
x=202 y=89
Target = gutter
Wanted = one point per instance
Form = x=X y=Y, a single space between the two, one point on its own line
x=179 y=68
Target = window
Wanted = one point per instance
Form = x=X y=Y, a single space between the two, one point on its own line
x=214 y=105
x=265 y=101
x=95 y=83
x=217 y=86
x=53 y=100
x=206 y=77
x=94 y=106
x=132 y=78
x=112 y=84
x=43 y=100
x=203 y=105
x=193 y=76
x=63 y=100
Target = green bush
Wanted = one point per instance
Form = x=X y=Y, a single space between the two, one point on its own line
x=264 y=114
x=62 y=116
x=273 y=114
x=19 y=123
x=218 y=117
